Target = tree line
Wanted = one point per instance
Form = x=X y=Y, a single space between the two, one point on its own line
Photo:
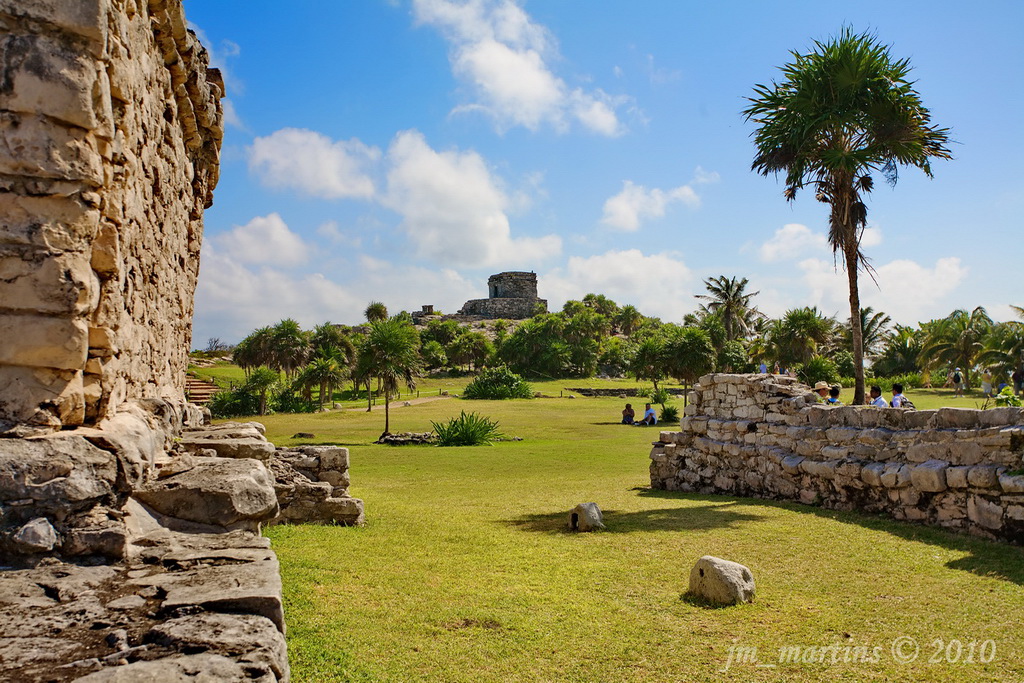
x=303 y=369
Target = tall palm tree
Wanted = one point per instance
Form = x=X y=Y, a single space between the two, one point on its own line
x=842 y=112
x=290 y=347
x=261 y=381
x=958 y=339
x=390 y=352
x=255 y=350
x=628 y=319
x=729 y=298
x=798 y=336
x=901 y=352
x=1003 y=347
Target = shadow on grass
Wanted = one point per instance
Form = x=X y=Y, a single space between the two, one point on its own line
x=698 y=517
x=703 y=603
x=983 y=557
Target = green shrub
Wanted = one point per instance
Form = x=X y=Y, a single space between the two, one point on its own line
x=466 y=430
x=1006 y=397
x=844 y=363
x=660 y=396
x=909 y=380
x=234 y=403
x=669 y=414
x=497 y=383
x=818 y=369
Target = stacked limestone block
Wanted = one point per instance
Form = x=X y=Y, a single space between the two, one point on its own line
x=111 y=125
x=765 y=436
x=312 y=486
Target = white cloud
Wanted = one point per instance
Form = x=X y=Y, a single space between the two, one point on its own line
x=702 y=177
x=233 y=299
x=231 y=117
x=872 y=237
x=502 y=54
x=264 y=239
x=907 y=291
x=453 y=209
x=332 y=232
x=791 y=241
x=314 y=164
x=657 y=284
x=626 y=210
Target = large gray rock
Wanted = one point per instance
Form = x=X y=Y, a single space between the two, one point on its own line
x=586 y=517
x=218 y=491
x=58 y=473
x=230 y=447
x=253 y=639
x=252 y=587
x=36 y=536
x=201 y=668
x=721 y=581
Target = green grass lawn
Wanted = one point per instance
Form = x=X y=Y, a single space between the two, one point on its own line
x=464 y=571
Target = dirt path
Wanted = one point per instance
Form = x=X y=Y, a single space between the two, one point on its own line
x=400 y=403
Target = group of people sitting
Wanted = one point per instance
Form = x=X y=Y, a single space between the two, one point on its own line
x=830 y=396
x=629 y=417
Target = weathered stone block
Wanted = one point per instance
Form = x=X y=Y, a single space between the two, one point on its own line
x=586 y=517
x=984 y=512
x=235 y=493
x=956 y=477
x=42 y=342
x=930 y=476
x=983 y=476
x=1011 y=483
x=721 y=581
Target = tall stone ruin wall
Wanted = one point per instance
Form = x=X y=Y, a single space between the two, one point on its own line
x=765 y=436
x=111 y=125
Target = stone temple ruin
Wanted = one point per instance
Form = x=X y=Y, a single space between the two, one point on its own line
x=511 y=295
x=129 y=527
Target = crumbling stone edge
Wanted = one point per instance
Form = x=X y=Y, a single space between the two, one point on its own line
x=132 y=550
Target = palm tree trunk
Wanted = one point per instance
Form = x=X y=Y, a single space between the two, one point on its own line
x=850 y=254
x=369 y=396
x=387 y=415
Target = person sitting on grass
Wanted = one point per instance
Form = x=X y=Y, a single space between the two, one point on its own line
x=876 y=398
x=833 y=397
x=649 y=416
x=821 y=389
x=628 y=415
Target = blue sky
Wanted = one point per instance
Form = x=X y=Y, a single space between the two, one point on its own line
x=403 y=151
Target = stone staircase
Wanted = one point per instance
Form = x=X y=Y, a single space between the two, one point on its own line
x=199 y=391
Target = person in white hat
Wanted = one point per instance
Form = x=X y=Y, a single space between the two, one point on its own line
x=821 y=389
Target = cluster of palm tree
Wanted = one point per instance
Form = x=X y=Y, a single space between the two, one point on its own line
x=319 y=359
x=969 y=340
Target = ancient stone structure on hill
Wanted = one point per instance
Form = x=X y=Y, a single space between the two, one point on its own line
x=511 y=295
x=765 y=436
x=133 y=524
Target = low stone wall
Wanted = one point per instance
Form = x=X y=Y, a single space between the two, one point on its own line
x=513 y=309
x=589 y=391
x=766 y=436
